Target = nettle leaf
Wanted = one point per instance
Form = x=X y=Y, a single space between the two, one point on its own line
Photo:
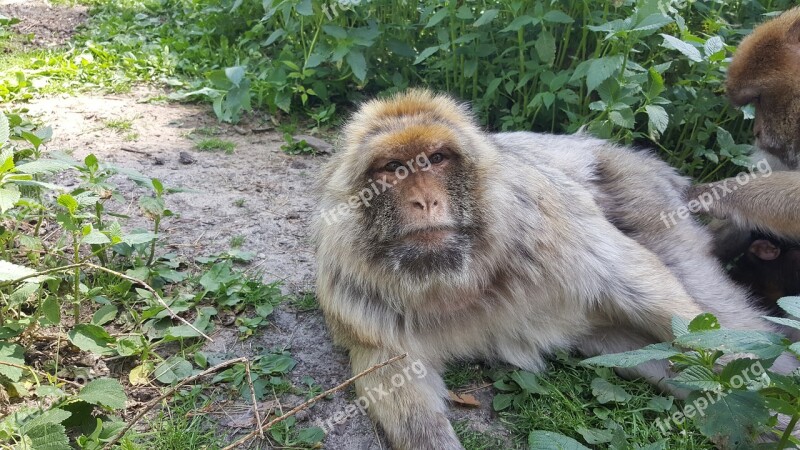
x=685 y=48
x=601 y=69
x=9 y=196
x=657 y=119
x=105 y=314
x=139 y=238
x=358 y=64
x=51 y=416
x=49 y=436
x=605 y=392
x=731 y=418
x=172 y=370
x=44 y=166
x=487 y=17
x=634 y=357
x=697 y=378
x=791 y=305
x=51 y=309
x=311 y=435
x=704 y=322
x=763 y=344
x=10 y=271
x=548 y=440
x=556 y=16
x=595 y=436
x=13 y=354
x=5 y=131
x=92 y=338
x=104 y=392
x=546 y=47
x=529 y=382
x=426 y=54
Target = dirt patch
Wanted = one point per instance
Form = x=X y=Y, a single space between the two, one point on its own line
x=258 y=193
x=50 y=25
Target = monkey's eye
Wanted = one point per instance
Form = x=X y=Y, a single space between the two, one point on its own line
x=436 y=158
x=392 y=166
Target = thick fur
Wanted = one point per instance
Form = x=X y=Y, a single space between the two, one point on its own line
x=563 y=247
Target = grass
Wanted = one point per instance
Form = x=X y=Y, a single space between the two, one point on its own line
x=178 y=426
x=215 y=144
x=119 y=125
x=237 y=241
x=305 y=301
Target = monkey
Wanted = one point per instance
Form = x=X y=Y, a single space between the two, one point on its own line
x=765 y=71
x=439 y=240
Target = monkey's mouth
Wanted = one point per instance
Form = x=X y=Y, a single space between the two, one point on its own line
x=430 y=236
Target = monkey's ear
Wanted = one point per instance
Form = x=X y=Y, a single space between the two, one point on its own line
x=793 y=34
x=765 y=250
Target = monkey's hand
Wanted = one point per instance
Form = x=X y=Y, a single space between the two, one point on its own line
x=407 y=399
x=770 y=203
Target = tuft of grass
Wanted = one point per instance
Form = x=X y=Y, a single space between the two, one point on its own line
x=119 y=125
x=305 y=301
x=476 y=440
x=237 y=241
x=131 y=136
x=239 y=203
x=177 y=428
x=463 y=374
x=213 y=144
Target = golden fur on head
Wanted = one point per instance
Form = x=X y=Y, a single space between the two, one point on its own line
x=765 y=58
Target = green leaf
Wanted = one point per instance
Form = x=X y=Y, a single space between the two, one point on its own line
x=704 y=322
x=104 y=392
x=657 y=119
x=235 y=75
x=713 y=45
x=44 y=166
x=92 y=338
x=9 y=196
x=732 y=419
x=685 y=48
x=634 y=357
x=653 y=22
x=105 y=314
x=548 y=440
x=49 y=436
x=69 y=202
x=437 y=17
x=51 y=309
x=10 y=271
x=172 y=370
x=556 y=16
x=311 y=435
x=546 y=47
x=502 y=401
x=529 y=382
x=13 y=354
x=355 y=59
x=697 y=378
x=595 y=436
x=426 y=54
x=51 y=416
x=786 y=322
x=605 y=392
x=763 y=344
x=5 y=131
x=304 y=8
x=95 y=237
x=601 y=69
x=791 y=305
x=519 y=23
x=487 y=17
x=139 y=238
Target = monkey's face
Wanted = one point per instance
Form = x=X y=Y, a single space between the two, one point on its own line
x=422 y=217
x=765 y=71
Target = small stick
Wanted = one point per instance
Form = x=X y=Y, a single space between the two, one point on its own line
x=253 y=397
x=310 y=402
x=152 y=403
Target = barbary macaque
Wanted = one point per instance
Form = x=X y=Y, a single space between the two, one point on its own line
x=451 y=243
x=770 y=268
x=765 y=71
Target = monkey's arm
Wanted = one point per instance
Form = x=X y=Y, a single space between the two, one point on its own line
x=768 y=203
x=406 y=398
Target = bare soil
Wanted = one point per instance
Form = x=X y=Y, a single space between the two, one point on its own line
x=48 y=25
x=257 y=192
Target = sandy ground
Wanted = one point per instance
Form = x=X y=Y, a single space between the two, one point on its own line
x=47 y=25
x=276 y=189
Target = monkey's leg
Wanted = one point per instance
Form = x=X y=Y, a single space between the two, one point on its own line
x=768 y=203
x=407 y=399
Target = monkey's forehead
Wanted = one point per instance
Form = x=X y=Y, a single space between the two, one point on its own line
x=765 y=50
x=410 y=140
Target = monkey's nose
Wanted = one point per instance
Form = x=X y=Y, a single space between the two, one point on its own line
x=425 y=205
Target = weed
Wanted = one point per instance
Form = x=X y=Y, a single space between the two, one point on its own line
x=119 y=125
x=212 y=144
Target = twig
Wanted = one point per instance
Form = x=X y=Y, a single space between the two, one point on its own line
x=34 y=372
x=152 y=403
x=310 y=402
x=133 y=150
x=146 y=286
x=253 y=397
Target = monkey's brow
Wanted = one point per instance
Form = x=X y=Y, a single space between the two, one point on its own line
x=391 y=124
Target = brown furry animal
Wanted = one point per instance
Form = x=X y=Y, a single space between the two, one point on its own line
x=437 y=239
